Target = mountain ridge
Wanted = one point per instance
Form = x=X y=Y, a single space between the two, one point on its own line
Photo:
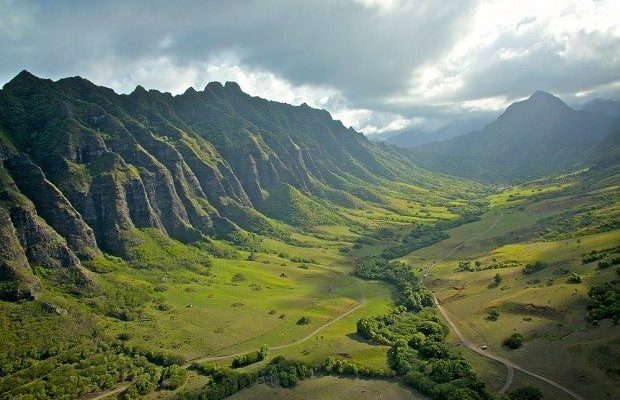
x=84 y=168
x=531 y=138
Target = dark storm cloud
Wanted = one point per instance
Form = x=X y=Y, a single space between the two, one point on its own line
x=361 y=55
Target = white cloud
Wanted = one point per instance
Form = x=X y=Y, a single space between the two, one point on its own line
x=165 y=75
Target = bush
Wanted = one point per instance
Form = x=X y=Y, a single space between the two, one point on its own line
x=604 y=264
x=250 y=358
x=514 y=341
x=573 y=278
x=534 y=267
x=305 y=320
x=593 y=256
x=172 y=377
x=526 y=393
x=493 y=315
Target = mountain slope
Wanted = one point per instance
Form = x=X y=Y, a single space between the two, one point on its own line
x=608 y=107
x=84 y=170
x=532 y=138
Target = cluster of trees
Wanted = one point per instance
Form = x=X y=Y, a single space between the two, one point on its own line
x=526 y=392
x=156 y=357
x=388 y=329
x=420 y=355
x=417 y=238
x=250 y=358
x=605 y=302
x=224 y=382
x=534 y=267
x=336 y=366
x=412 y=295
x=592 y=256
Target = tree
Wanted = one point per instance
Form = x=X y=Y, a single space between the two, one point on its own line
x=574 y=278
x=497 y=279
x=514 y=341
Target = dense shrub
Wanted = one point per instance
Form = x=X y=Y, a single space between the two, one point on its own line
x=250 y=358
x=514 y=341
x=172 y=377
x=493 y=315
x=305 y=320
x=605 y=302
x=573 y=278
x=593 y=256
x=534 y=267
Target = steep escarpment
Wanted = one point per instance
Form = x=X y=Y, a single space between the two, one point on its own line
x=84 y=168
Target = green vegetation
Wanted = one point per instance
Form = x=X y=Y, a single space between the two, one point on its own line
x=305 y=320
x=417 y=337
x=514 y=341
x=605 y=302
x=250 y=358
x=168 y=229
x=532 y=268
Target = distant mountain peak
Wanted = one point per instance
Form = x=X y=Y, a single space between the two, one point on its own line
x=233 y=87
x=541 y=94
x=139 y=90
x=22 y=80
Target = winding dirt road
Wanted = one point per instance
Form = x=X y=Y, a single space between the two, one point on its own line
x=361 y=300
x=510 y=366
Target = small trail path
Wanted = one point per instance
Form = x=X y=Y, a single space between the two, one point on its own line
x=361 y=301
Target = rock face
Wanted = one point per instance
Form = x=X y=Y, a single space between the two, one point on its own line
x=82 y=167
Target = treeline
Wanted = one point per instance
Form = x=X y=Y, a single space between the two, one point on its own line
x=280 y=372
x=417 y=238
x=426 y=235
x=412 y=295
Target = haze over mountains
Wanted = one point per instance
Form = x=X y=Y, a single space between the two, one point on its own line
x=532 y=138
x=417 y=137
x=83 y=167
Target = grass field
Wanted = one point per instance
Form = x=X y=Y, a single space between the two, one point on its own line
x=544 y=307
x=184 y=300
x=332 y=388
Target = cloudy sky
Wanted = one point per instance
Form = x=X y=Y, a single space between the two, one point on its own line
x=379 y=65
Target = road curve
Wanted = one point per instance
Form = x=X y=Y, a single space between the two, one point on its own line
x=510 y=366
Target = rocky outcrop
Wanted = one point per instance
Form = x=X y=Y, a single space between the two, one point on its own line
x=83 y=167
